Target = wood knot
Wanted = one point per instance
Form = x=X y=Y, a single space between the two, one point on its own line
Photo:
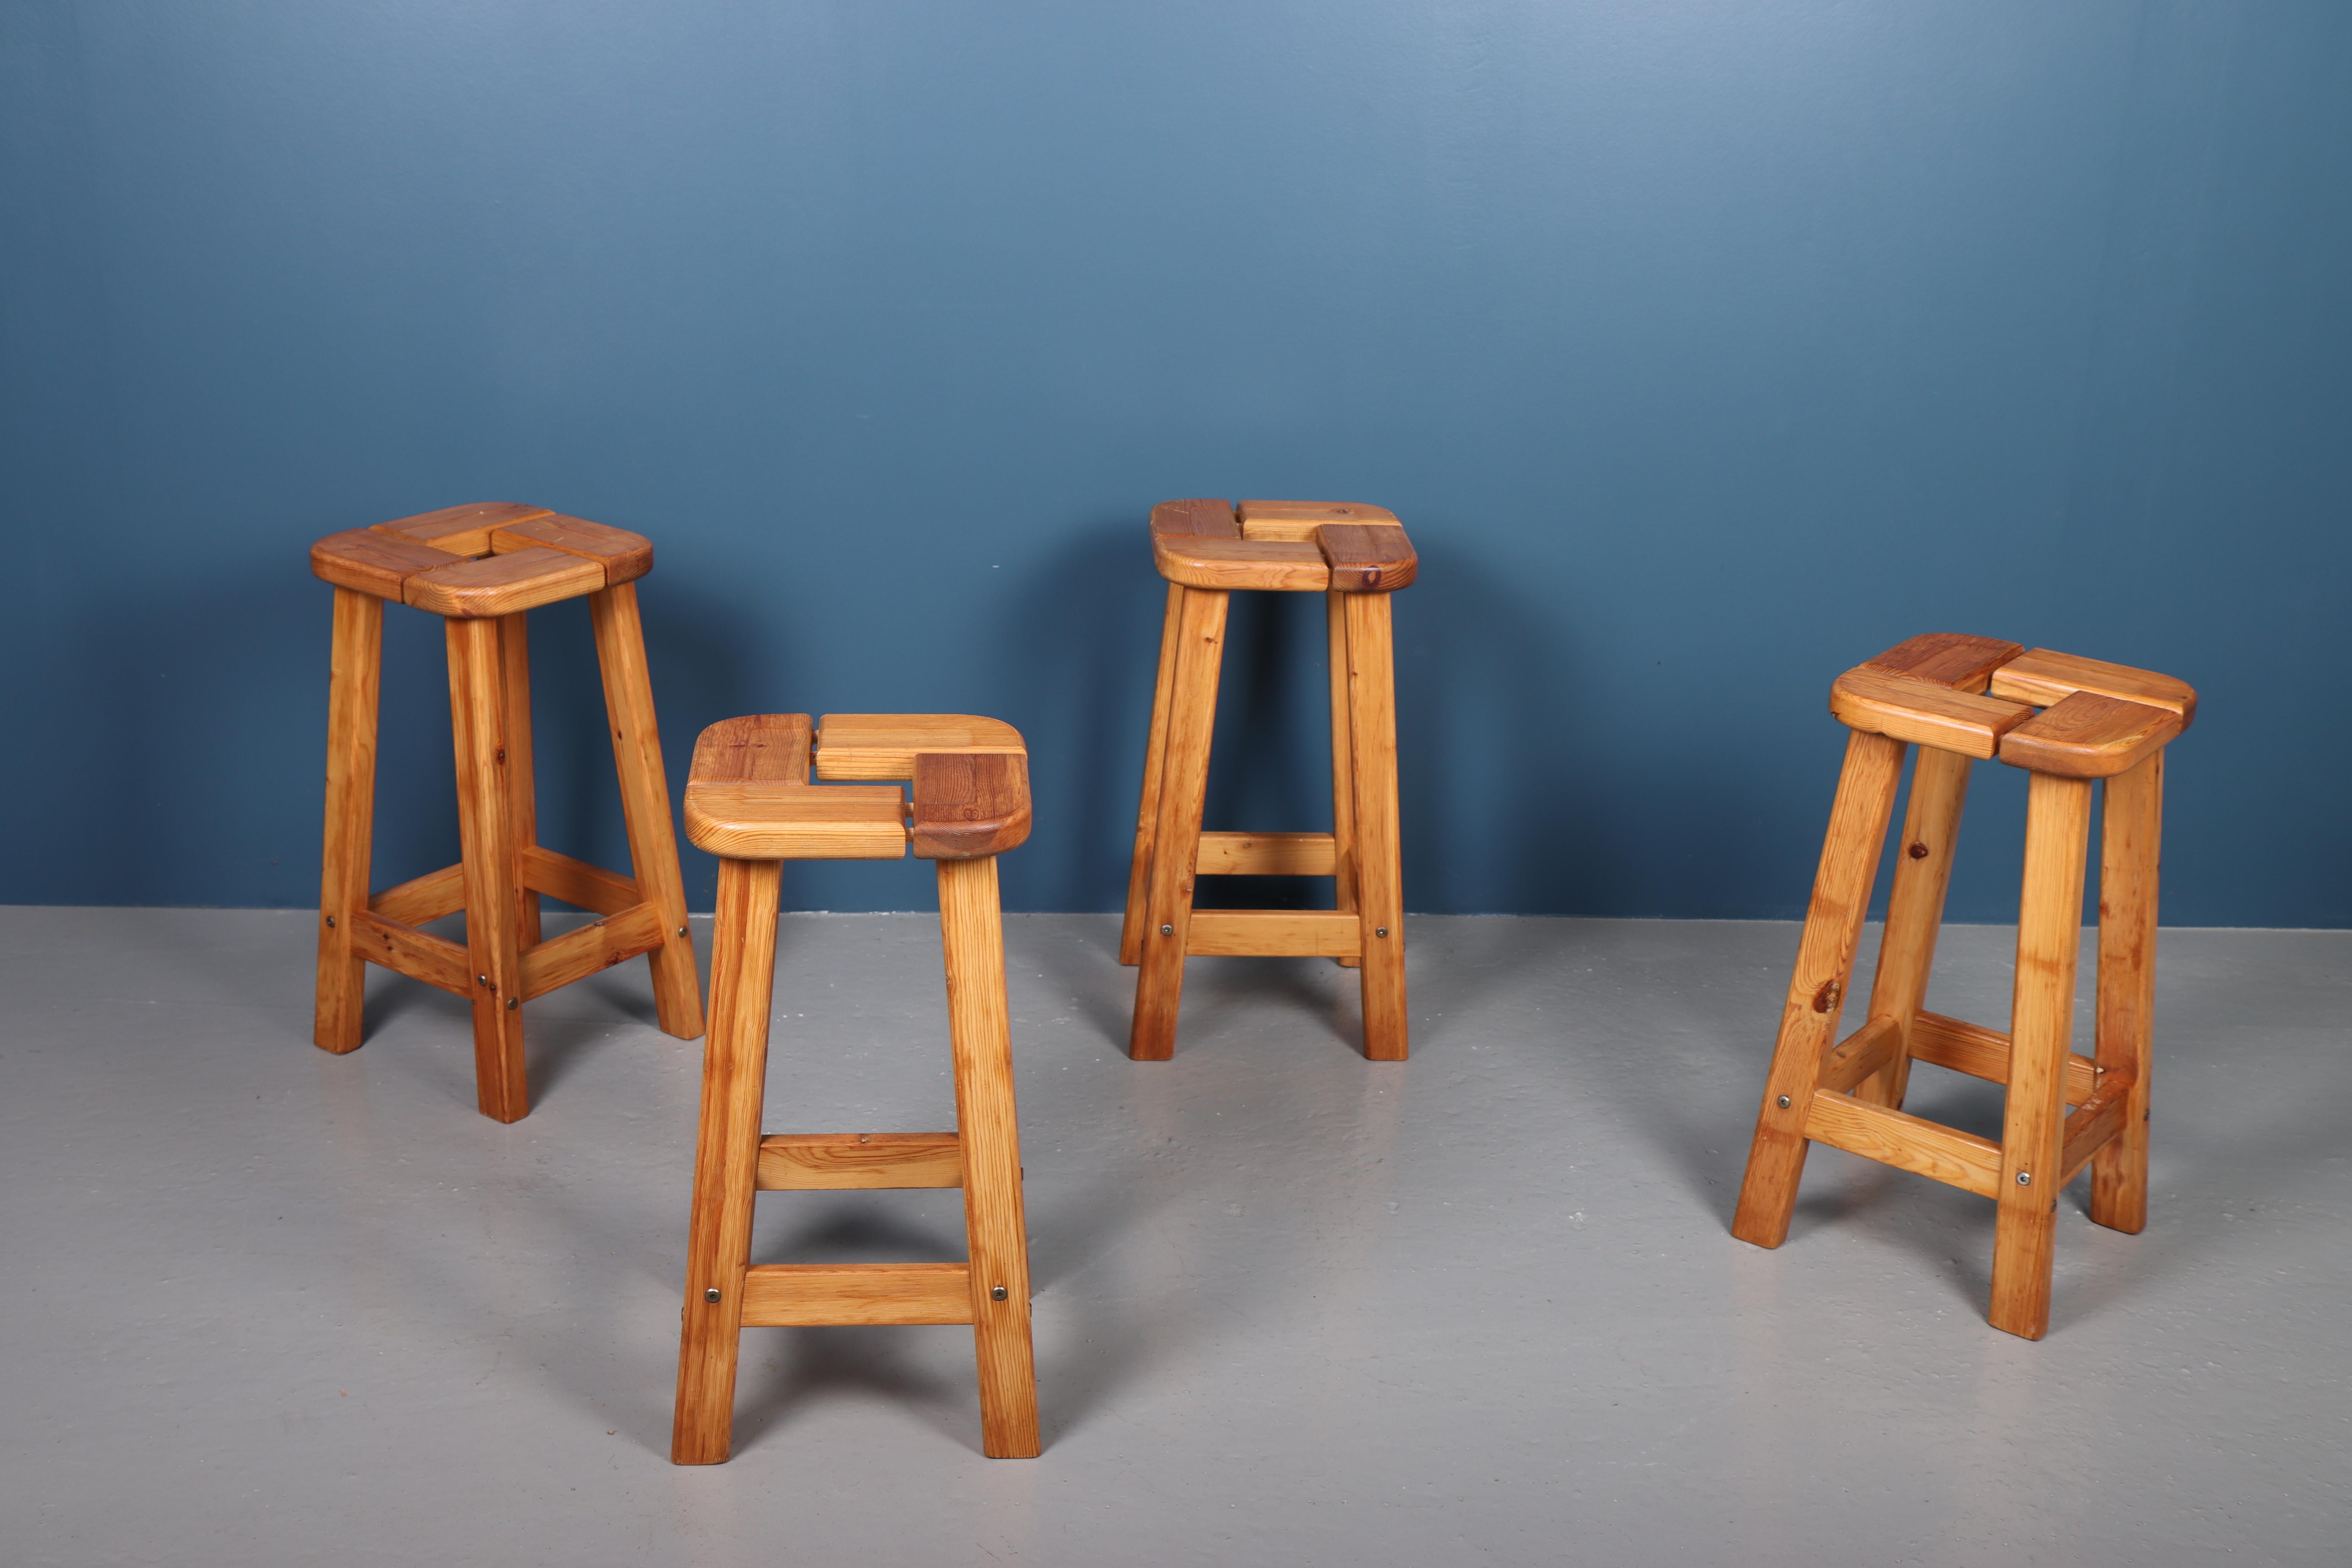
x=1827 y=996
x=1918 y=851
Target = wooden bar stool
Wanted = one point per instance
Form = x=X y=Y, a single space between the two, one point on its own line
x=1356 y=556
x=482 y=568
x=749 y=802
x=1961 y=698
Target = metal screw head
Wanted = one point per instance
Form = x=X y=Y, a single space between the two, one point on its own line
x=1167 y=931
x=483 y=978
x=681 y=931
x=2024 y=1178
x=514 y=1001
x=1379 y=931
x=996 y=1292
x=711 y=1294
x=1784 y=1102
x=331 y=922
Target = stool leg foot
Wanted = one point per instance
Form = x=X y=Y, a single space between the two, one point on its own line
x=726 y=1160
x=2134 y=821
x=1155 y=757
x=1776 y=1159
x=493 y=952
x=1380 y=880
x=1914 y=910
x=522 y=793
x=1343 y=764
x=356 y=673
x=1176 y=839
x=2049 y=936
x=644 y=802
x=973 y=935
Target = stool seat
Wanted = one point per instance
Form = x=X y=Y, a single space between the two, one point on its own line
x=482 y=561
x=1299 y=547
x=749 y=796
x=480 y=567
x=752 y=801
x=1963 y=700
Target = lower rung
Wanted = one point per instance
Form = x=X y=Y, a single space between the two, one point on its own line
x=805 y=1295
x=1274 y=933
x=802 y=1161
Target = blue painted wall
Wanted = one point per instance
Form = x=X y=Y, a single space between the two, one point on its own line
x=1706 y=348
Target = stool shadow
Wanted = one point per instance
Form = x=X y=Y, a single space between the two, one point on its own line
x=836 y=1359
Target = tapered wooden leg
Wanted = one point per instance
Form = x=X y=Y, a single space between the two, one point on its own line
x=972 y=934
x=1776 y=1159
x=1155 y=755
x=1343 y=763
x=1380 y=870
x=2134 y=821
x=1914 y=910
x=355 y=674
x=492 y=869
x=2042 y=1023
x=645 y=801
x=726 y=1160
x=1176 y=837
x=522 y=793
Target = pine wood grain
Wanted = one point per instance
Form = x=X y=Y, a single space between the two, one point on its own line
x=1948 y=658
x=1343 y=761
x=646 y=803
x=378 y=564
x=492 y=872
x=1176 y=839
x=1379 y=858
x=423 y=898
x=2086 y=736
x=2045 y=678
x=461 y=530
x=590 y=949
x=1266 y=855
x=875 y=747
x=832 y=1162
x=1915 y=912
x=353 y=681
x=498 y=585
x=420 y=955
x=979 y=1031
x=726 y=1160
x=799 y=1295
x=1276 y=934
x=2132 y=828
x=576 y=882
x=797 y=822
x=1841 y=897
x=523 y=782
x=765 y=748
x=1906 y=707
x=1375 y=558
x=965 y=805
x=1983 y=1053
x=1895 y=1138
x=1201 y=518
x=1226 y=564
x=625 y=556
x=2048 y=932
x=1147 y=811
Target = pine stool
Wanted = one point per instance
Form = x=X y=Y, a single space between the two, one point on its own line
x=748 y=801
x=1356 y=556
x=482 y=567
x=1961 y=698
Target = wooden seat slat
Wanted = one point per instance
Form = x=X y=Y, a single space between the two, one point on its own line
x=625 y=556
x=498 y=585
x=2042 y=677
x=764 y=748
x=461 y=530
x=2088 y=736
x=967 y=804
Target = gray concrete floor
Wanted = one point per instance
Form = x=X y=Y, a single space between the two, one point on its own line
x=263 y=1305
